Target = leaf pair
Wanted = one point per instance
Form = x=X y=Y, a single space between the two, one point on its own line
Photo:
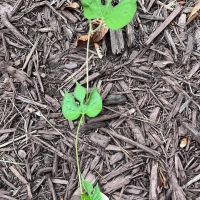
x=92 y=193
x=114 y=17
x=71 y=110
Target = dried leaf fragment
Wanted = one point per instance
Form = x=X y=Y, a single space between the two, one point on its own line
x=194 y=13
x=71 y=6
x=163 y=179
x=184 y=142
x=97 y=36
x=98 y=50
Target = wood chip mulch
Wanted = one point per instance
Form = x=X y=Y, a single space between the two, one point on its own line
x=145 y=144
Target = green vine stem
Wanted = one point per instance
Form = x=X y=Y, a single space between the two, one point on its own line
x=91 y=31
x=76 y=149
x=87 y=64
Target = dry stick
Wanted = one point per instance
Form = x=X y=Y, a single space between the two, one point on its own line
x=193 y=180
x=31 y=52
x=10 y=142
x=164 y=24
x=5 y=47
x=75 y=73
x=31 y=102
x=51 y=187
x=22 y=179
x=150 y=5
x=6 y=23
x=51 y=148
x=36 y=64
x=125 y=139
x=35 y=5
x=16 y=7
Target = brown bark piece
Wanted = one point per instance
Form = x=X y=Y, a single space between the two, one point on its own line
x=106 y=90
x=176 y=189
x=117 y=41
x=130 y=32
x=99 y=139
x=194 y=69
x=130 y=96
x=164 y=24
x=13 y=29
x=116 y=158
x=194 y=132
x=51 y=148
x=176 y=106
x=51 y=187
x=153 y=195
x=137 y=132
x=125 y=139
x=189 y=49
x=117 y=183
x=20 y=75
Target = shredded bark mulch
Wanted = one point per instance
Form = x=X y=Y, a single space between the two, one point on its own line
x=145 y=144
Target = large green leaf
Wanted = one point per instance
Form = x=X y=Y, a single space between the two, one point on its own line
x=115 y=17
x=69 y=107
x=94 y=103
x=120 y=15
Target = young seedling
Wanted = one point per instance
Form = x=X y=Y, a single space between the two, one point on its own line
x=91 y=104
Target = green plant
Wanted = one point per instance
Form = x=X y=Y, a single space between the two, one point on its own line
x=91 y=104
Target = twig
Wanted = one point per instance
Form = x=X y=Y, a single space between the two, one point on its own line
x=164 y=24
x=6 y=23
x=31 y=52
x=76 y=72
x=43 y=3
x=51 y=148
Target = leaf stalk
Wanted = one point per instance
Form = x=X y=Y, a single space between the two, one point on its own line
x=77 y=157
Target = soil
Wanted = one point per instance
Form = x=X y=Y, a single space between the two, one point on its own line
x=145 y=144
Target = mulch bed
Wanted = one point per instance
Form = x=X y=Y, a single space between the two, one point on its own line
x=145 y=144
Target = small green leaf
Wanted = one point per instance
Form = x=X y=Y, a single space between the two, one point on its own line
x=87 y=186
x=96 y=193
x=85 y=197
x=115 y=17
x=79 y=92
x=69 y=107
x=94 y=103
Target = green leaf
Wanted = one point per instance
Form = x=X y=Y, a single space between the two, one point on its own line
x=79 y=92
x=93 y=9
x=96 y=193
x=115 y=17
x=85 y=197
x=104 y=197
x=69 y=107
x=87 y=186
x=120 y=15
x=94 y=103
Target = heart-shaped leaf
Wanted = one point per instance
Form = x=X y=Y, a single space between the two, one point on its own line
x=69 y=107
x=79 y=92
x=94 y=103
x=115 y=17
